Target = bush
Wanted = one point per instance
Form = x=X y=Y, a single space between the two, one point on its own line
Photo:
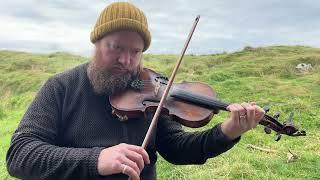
x=248 y=48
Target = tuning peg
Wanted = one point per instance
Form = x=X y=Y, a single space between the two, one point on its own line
x=290 y=117
x=276 y=115
x=267 y=130
x=266 y=109
x=277 y=137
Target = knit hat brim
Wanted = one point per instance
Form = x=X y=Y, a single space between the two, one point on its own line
x=121 y=24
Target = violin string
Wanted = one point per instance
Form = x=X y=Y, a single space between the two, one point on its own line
x=146 y=88
x=148 y=85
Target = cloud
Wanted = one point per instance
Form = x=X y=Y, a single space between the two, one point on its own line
x=48 y=26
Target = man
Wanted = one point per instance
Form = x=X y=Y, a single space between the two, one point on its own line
x=68 y=132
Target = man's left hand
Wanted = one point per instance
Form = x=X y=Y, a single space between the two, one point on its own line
x=244 y=116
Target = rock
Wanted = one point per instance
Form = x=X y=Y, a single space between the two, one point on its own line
x=302 y=67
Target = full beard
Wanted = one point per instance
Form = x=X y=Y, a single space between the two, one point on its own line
x=106 y=82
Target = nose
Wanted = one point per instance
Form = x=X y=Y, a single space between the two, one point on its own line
x=125 y=58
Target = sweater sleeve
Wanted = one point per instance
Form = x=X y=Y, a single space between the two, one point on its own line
x=34 y=152
x=180 y=147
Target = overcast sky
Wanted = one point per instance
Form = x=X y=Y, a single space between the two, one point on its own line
x=225 y=25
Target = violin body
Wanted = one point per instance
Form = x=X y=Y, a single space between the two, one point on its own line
x=137 y=101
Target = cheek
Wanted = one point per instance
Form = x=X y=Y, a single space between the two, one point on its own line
x=135 y=64
x=104 y=60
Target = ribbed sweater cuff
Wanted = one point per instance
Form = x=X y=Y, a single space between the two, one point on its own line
x=92 y=162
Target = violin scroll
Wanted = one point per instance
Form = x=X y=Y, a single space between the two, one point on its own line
x=287 y=128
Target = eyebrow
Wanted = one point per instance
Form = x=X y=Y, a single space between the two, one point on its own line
x=116 y=43
x=138 y=49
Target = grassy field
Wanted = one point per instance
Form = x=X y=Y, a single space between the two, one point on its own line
x=266 y=75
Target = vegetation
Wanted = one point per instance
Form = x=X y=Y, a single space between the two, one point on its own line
x=266 y=75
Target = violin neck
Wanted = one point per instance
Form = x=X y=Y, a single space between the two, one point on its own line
x=272 y=123
x=199 y=99
x=215 y=104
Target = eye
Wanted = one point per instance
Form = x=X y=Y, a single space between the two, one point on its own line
x=137 y=51
x=114 y=47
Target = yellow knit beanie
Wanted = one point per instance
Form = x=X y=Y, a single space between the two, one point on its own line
x=121 y=16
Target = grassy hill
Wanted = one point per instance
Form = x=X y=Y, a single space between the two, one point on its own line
x=266 y=75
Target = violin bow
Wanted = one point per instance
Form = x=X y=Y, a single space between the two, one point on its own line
x=155 y=118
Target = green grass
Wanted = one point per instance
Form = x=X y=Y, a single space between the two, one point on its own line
x=266 y=75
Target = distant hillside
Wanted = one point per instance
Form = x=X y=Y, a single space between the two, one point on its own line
x=259 y=62
x=267 y=75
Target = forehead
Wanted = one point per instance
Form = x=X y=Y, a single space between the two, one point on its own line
x=129 y=38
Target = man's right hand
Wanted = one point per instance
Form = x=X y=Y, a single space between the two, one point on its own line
x=123 y=158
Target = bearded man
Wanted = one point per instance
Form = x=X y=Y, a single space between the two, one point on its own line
x=68 y=132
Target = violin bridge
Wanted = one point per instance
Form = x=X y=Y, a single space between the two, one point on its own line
x=156 y=89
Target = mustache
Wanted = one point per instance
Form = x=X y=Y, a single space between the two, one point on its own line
x=122 y=69
x=107 y=82
x=115 y=68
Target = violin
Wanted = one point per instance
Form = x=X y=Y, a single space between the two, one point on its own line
x=190 y=103
x=193 y=104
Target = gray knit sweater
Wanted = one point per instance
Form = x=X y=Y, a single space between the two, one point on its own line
x=67 y=125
